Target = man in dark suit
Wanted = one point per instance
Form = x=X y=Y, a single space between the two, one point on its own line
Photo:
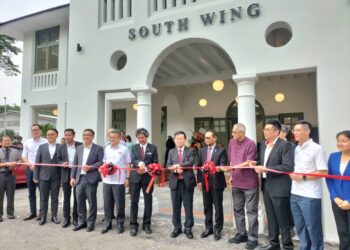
x=182 y=183
x=8 y=159
x=48 y=177
x=88 y=157
x=67 y=151
x=217 y=185
x=142 y=154
x=276 y=154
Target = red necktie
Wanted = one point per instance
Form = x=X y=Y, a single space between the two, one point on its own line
x=180 y=161
x=209 y=154
x=142 y=153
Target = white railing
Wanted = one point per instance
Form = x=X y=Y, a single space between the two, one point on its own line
x=114 y=11
x=158 y=6
x=46 y=80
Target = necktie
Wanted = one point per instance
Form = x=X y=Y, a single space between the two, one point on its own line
x=180 y=156
x=7 y=154
x=142 y=153
x=209 y=154
x=180 y=161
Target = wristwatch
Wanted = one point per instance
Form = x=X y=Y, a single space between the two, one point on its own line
x=304 y=177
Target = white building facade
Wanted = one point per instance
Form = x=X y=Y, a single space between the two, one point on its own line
x=94 y=60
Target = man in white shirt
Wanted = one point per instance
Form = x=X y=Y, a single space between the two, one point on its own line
x=30 y=149
x=114 y=184
x=306 y=191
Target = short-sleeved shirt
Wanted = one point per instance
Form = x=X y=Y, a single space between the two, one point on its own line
x=120 y=156
x=309 y=157
x=31 y=148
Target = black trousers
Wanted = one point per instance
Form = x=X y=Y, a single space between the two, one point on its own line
x=86 y=191
x=278 y=219
x=8 y=186
x=31 y=190
x=67 y=192
x=47 y=188
x=135 y=189
x=210 y=199
x=178 y=196
x=114 y=195
x=342 y=220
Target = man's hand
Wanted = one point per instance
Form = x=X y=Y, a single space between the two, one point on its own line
x=345 y=205
x=199 y=186
x=31 y=167
x=36 y=181
x=218 y=169
x=86 y=168
x=338 y=201
x=126 y=183
x=296 y=177
x=65 y=164
x=260 y=169
x=179 y=170
x=72 y=182
x=251 y=163
x=142 y=168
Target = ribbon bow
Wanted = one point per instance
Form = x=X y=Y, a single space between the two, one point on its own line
x=108 y=169
x=208 y=169
x=154 y=169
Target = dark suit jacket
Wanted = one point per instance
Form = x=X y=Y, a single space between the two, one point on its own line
x=95 y=159
x=219 y=157
x=151 y=156
x=65 y=172
x=45 y=173
x=281 y=158
x=188 y=158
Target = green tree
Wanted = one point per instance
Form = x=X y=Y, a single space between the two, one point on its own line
x=9 y=132
x=7 y=50
x=45 y=127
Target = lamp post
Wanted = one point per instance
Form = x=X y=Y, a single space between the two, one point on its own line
x=5 y=118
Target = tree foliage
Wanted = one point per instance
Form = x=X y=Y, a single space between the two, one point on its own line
x=7 y=50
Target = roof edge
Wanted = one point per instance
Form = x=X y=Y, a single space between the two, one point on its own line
x=34 y=14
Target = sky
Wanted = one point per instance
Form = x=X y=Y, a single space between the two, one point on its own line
x=10 y=87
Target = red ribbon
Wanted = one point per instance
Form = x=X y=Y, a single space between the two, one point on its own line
x=208 y=169
x=109 y=169
x=153 y=170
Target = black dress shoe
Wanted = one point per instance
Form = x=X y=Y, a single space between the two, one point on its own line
x=217 y=235
x=75 y=221
x=238 y=239
x=106 y=229
x=147 y=229
x=29 y=217
x=11 y=216
x=206 y=233
x=90 y=228
x=251 y=244
x=120 y=228
x=133 y=232
x=66 y=223
x=78 y=227
x=55 y=220
x=270 y=247
x=42 y=221
x=189 y=234
x=176 y=232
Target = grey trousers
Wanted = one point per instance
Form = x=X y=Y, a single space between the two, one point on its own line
x=246 y=200
x=47 y=188
x=8 y=186
x=86 y=191
x=114 y=196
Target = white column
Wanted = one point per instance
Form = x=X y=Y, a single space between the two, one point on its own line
x=144 y=108
x=246 y=102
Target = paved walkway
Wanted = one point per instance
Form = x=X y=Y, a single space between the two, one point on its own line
x=18 y=234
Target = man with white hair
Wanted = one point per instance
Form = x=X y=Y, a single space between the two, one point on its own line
x=245 y=187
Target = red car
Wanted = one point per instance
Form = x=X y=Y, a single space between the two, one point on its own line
x=21 y=177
